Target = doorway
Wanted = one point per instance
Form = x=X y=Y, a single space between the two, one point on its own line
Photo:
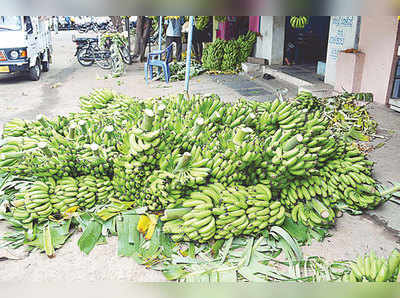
x=305 y=49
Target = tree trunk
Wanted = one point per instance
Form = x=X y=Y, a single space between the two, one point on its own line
x=143 y=29
x=117 y=23
x=139 y=34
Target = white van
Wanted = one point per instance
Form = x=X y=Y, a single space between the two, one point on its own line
x=25 y=45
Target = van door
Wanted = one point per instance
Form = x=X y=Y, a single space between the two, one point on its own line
x=31 y=31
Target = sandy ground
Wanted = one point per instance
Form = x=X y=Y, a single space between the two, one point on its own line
x=22 y=98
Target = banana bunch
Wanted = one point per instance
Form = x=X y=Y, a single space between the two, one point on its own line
x=201 y=22
x=163 y=193
x=10 y=153
x=246 y=43
x=15 y=128
x=313 y=187
x=33 y=203
x=98 y=99
x=370 y=268
x=199 y=224
x=213 y=55
x=298 y=21
x=66 y=194
x=262 y=211
x=230 y=60
x=349 y=180
x=313 y=213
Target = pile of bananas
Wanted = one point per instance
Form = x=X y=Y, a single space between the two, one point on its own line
x=298 y=21
x=213 y=55
x=221 y=169
x=231 y=56
x=246 y=44
x=201 y=22
x=347 y=117
x=222 y=55
x=370 y=268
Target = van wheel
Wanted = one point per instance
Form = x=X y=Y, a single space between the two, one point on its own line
x=34 y=72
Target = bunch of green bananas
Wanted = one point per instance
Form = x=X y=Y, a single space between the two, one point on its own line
x=15 y=128
x=96 y=100
x=213 y=55
x=230 y=59
x=201 y=22
x=221 y=19
x=33 y=203
x=370 y=268
x=246 y=44
x=298 y=21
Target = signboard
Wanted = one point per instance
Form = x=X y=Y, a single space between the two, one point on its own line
x=343 y=34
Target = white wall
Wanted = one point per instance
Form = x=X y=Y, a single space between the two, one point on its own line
x=343 y=34
x=271 y=42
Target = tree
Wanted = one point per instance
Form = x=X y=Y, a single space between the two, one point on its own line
x=143 y=29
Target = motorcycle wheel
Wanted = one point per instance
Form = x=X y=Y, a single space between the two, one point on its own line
x=105 y=62
x=84 y=55
x=126 y=57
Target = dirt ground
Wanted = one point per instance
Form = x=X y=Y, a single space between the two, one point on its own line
x=58 y=93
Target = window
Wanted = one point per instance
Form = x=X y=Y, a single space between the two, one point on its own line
x=10 y=23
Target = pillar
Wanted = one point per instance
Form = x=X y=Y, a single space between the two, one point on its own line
x=270 y=44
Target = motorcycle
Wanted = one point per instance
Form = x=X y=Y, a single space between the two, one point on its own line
x=88 y=52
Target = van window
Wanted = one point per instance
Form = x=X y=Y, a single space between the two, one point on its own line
x=28 y=24
x=10 y=23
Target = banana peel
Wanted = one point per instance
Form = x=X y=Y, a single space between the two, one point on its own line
x=147 y=225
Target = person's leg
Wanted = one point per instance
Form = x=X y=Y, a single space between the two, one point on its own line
x=195 y=49
x=200 y=51
x=168 y=41
x=178 y=41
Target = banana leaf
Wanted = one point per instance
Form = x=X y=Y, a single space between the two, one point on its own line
x=90 y=237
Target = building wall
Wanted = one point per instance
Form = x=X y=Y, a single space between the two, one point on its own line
x=270 y=44
x=378 y=36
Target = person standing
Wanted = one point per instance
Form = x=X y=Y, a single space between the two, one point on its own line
x=56 y=24
x=68 y=20
x=174 y=34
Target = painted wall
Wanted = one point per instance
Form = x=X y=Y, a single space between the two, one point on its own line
x=378 y=37
x=343 y=34
x=271 y=42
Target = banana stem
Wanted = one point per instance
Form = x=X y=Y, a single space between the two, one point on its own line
x=176 y=213
x=183 y=161
x=198 y=125
x=148 y=120
x=72 y=130
x=390 y=191
x=160 y=110
x=43 y=146
x=82 y=124
x=240 y=134
x=42 y=120
x=95 y=148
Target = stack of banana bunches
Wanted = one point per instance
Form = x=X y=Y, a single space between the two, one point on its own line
x=215 y=170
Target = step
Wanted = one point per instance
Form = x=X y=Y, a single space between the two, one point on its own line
x=319 y=90
x=284 y=76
